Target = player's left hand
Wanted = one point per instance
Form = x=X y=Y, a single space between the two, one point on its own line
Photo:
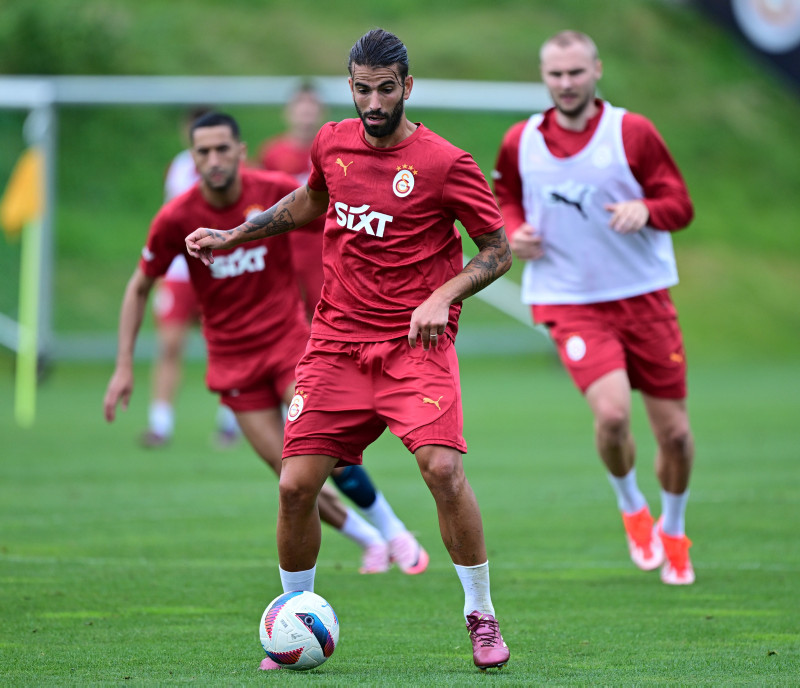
x=428 y=322
x=627 y=216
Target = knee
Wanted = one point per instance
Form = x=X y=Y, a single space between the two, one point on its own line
x=612 y=424
x=172 y=349
x=443 y=472
x=676 y=442
x=296 y=493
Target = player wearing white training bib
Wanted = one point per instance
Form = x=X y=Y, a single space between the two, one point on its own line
x=590 y=194
x=566 y=197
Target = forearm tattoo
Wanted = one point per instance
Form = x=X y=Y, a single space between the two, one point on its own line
x=493 y=260
x=275 y=220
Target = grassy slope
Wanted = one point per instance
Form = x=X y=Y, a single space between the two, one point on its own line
x=726 y=120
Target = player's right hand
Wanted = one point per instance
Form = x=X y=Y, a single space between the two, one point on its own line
x=202 y=241
x=526 y=243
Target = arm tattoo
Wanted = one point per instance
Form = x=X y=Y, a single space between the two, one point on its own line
x=493 y=260
x=275 y=220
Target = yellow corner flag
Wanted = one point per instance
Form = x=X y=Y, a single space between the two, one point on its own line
x=20 y=213
x=22 y=199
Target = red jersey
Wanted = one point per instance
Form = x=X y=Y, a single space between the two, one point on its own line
x=249 y=294
x=665 y=192
x=390 y=238
x=282 y=153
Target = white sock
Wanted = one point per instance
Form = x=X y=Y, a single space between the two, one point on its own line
x=629 y=497
x=358 y=530
x=475 y=581
x=226 y=419
x=381 y=515
x=298 y=580
x=673 y=510
x=161 y=418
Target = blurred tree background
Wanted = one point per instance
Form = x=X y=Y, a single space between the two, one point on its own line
x=729 y=121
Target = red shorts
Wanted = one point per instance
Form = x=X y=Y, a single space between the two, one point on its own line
x=348 y=394
x=175 y=303
x=640 y=335
x=258 y=379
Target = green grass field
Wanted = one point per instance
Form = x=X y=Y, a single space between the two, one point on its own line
x=120 y=566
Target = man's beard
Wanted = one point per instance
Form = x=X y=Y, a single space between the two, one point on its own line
x=576 y=110
x=223 y=185
x=389 y=125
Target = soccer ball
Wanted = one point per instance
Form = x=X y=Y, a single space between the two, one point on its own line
x=299 y=630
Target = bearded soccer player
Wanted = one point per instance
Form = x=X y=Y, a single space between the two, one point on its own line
x=176 y=311
x=254 y=325
x=291 y=152
x=382 y=338
x=590 y=194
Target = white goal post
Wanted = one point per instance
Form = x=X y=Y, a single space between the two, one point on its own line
x=42 y=96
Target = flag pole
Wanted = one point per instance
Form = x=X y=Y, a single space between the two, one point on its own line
x=28 y=346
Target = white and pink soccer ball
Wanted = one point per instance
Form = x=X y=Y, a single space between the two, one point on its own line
x=299 y=630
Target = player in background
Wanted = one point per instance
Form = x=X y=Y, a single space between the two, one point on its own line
x=176 y=311
x=291 y=152
x=254 y=325
x=590 y=194
x=382 y=349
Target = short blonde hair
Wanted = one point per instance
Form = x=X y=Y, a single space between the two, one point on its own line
x=564 y=39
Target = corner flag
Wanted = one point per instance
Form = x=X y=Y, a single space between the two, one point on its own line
x=20 y=213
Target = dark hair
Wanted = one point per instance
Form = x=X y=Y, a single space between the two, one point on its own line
x=215 y=119
x=197 y=112
x=305 y=88
x=379 y=48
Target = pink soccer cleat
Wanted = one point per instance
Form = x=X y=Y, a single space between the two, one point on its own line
x=268 y=665
x=488 y=647
x=152 y=440
x=375 y=559
x=408 y=554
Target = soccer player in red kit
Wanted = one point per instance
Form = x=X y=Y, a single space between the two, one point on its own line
x=253 y=321
x=291 y=152
x=175 y=311
x=382 y=350
x=590 y=194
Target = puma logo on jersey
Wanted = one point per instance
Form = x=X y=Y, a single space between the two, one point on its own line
x=571 y=194
x=237 y=263
x=560 y=198
x=435 y=402
x=343 y=166
x=357 y=218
